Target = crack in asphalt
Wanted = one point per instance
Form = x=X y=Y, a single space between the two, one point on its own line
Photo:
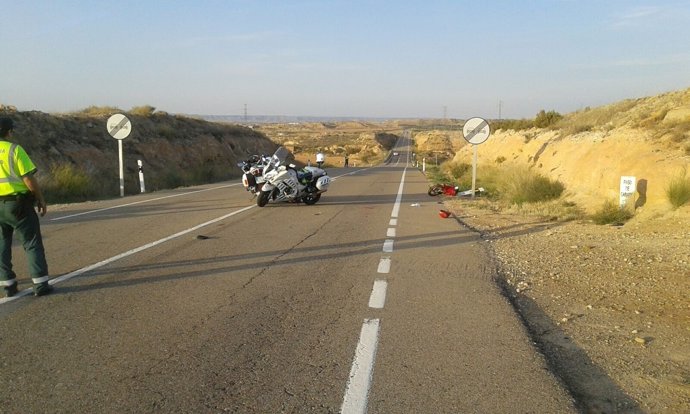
x=288 y=251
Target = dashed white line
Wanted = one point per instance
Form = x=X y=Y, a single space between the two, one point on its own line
x=384 y=265
x=127 y=253
x=378 y=294
x=357 y=391
x=142 y=201
x=359 y=383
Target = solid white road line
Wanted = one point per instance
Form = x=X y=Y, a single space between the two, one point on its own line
x=127 y=253
x=398 y=199
x=378 y=294
x=142 y=201
x=355 y=401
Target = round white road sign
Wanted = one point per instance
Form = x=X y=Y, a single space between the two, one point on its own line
x=476 y=131
x=119 y=126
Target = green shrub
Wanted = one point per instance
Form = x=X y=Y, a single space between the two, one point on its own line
x=514 y=124
x=67 y=183
x=98 y=111
x=145 y=110
x=520 y=185
x=611 y=213
x=545 y=119
x=435 y=175
x=167 y=131
x=678 y=189
x=456 y=170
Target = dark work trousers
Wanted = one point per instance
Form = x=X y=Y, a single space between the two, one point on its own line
x=28 y=231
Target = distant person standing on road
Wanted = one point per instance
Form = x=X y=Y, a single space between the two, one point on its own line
x=19 y=193
x=320 y=158
x=347 y=161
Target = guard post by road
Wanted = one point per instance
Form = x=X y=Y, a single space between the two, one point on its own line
x=141 y=175
x=475 y=131
x=119 y=128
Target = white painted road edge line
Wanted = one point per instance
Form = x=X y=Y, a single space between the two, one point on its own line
x=398 y=199
x=355 y=401
x=125 y=254
x=378 y=294
x=142 y=201
x=390 y=232
x=388 y=246
x=171 y=196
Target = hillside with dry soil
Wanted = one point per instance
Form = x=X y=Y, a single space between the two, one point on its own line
x=175 y=151
x=609 y=306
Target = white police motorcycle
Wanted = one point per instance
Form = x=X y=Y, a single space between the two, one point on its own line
x=284 y=182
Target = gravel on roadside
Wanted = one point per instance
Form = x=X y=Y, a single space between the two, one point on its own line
x=608 y=306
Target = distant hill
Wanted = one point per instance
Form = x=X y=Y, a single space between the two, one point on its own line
x=285 y=119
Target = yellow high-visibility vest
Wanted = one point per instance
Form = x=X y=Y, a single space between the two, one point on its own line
x=14 y=164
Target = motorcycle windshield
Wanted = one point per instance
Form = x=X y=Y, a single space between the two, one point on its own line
x=281 y=154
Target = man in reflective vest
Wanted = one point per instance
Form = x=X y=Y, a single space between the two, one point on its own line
x=19 y=193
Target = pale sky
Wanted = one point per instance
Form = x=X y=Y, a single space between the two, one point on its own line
x=405 y=59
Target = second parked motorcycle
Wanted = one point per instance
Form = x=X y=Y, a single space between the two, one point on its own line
x=253 y=169
x=284 y=182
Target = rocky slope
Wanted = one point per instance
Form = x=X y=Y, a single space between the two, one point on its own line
x=589 y=151
x=608 y=305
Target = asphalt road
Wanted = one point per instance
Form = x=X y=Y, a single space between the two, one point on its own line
x=197 y=301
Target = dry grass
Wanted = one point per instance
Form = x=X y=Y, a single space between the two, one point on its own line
x=678 y=189
x=611 y=213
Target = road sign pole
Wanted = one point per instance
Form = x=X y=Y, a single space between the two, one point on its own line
x=474 y=169
x=122 y=172
x=475 y=131
x=119 y=128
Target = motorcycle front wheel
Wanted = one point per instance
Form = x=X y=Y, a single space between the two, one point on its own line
x=435 y=190
x=262 y=199
x=311 y=199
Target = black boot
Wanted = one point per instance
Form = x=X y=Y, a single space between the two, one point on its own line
x=11 y=290
x=42 y=289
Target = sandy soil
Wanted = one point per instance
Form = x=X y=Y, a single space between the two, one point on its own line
x=608 y=306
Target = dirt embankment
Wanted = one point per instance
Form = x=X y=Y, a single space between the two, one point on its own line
x=590 y=150
x=608 y=306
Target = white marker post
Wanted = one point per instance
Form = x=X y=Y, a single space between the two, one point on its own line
x=475 y=131
x=628 y=188
x=119 y=128
x=141 y=175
